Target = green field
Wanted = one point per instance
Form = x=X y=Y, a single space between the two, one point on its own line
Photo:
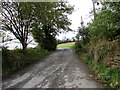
x=66 y=45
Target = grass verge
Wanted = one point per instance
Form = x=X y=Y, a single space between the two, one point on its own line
x=106 y=75
x=13 y=60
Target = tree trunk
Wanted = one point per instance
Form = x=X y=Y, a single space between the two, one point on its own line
x=94 y=11
x=24 y=45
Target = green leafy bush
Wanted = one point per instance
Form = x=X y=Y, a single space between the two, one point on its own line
x=78 y=46
x=107 y=75
x=12 y=60
x=107 y=24
x=49 y=43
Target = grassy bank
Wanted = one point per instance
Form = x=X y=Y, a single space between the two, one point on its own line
x=13 y=60
x=108 y=76
x=103 y=59
x=66 y=45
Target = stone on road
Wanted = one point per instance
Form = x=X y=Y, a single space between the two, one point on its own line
x=62 y=69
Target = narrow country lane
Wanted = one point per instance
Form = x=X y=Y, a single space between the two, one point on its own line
x=62 y=69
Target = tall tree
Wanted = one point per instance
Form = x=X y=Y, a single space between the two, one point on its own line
x=107 y=24
x=17 y=18
x=51 y=20
x=44 y=19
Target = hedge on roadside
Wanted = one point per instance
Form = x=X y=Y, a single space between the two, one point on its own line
x=13 y=60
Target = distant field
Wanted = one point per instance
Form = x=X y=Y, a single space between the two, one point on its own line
x=66 y=45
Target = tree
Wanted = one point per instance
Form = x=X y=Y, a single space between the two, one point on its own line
x=48 y=42
x=54 y=22
x=44 y=19
x=84 y=33
x=17 y=18
x=107 y=24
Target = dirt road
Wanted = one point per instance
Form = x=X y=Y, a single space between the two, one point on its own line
x=62 y=69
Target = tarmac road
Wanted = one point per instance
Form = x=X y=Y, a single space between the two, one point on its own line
x=62 y=69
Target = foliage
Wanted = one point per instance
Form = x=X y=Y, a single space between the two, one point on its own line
x=22 y=18
x=84 y=33
x=17 y=18
x=12 y=60
x=78 y=46
x=106 y=75
x=49 y=26
x=83 y=38
x=49 y=43
x=83 y=44
x=98 y=44
x=47 y=40
x=52 y=15
x=107 y=24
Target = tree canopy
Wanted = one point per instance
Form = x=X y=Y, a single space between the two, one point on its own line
x=42 y=19
x=17 y=18
x=107 y=24
x=50 y=22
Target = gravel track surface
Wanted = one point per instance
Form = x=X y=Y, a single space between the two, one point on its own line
x=62 y=69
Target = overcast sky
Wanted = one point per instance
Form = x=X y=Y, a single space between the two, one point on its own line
x=81 y=8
